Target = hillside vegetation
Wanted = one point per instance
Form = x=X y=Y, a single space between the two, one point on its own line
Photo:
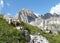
x=8 y=33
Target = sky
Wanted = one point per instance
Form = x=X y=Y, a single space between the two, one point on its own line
x=12 y=7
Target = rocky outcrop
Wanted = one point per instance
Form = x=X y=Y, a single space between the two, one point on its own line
x=38 y=22
x=48 y=22
x=37 y=38
x=26 y=16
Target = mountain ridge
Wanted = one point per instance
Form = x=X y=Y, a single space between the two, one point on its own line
x=26 y=15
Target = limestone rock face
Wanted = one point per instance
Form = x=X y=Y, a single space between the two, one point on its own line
x=37 y=38
x=48 y=22
x=26 y=16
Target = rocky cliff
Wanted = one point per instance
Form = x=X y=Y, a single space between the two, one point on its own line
x=48 y=22
x=26 y=15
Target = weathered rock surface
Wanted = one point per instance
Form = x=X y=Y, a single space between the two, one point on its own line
x=26 y=16
x=48 y=22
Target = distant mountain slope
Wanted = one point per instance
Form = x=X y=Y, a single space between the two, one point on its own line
x=8 y=33
x=48 y=22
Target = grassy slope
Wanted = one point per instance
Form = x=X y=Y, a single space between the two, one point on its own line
x=8 y=33
x=52 y=38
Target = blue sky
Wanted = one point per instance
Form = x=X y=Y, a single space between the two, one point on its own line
x=37 y=6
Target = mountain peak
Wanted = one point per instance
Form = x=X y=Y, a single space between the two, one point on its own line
x=26 y=15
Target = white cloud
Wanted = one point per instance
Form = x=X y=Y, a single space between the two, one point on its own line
x=55 y=9
x=1 y=3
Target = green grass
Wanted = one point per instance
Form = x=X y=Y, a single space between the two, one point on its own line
x=8 y=33
x=50 y=37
